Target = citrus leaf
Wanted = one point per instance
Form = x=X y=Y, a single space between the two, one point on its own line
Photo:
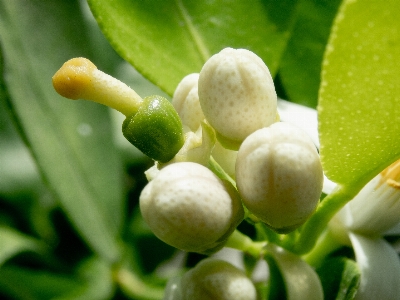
x=300 y=69
x=167 y=40
x=359 y=99
x=71 y=141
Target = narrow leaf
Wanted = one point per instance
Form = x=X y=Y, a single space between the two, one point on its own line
x=166 y=40
x=71 y=141
x=359 y=97
x=13 y=242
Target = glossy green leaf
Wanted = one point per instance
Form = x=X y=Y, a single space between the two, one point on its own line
x=300 y=69
x=340 y=278
x=12 y=242
x=167 y=40
x=359 y=98
x=71 y=141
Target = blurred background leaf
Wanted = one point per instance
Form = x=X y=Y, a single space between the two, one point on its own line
x=97 y=278
x=12 y=242
x=70 y=141
x=27 y=284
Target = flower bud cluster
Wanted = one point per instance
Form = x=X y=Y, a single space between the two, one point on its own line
x=276 y=166
x=228 y=111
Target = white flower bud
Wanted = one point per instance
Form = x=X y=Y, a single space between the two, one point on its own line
x=214 y=279
x=186 y=102
x=279 y=176
x=190 y=208
x=237 y=94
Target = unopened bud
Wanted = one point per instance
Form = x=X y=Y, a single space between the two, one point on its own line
x=237 y=95
x=279 y=176
x=186 y=102
x=190 y=208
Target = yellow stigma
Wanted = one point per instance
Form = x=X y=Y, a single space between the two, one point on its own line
x=392 y=174
x=73 y=78
x=79 y=78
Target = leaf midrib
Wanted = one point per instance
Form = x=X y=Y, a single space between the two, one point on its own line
x=197 y=38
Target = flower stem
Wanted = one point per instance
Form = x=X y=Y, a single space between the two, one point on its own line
x=214 y=166
x=219 y=171
x=314 y=227
x=243 y=243
x=326 y=244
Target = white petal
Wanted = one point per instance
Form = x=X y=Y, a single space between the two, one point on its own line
x=379 y=266
x=300 y=116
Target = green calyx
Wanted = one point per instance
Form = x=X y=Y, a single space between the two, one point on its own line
x=155 y=129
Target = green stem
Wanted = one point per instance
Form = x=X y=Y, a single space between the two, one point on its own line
x=216 y=168
x=313 y=228
x=326 y=244
x=267 y=234
x=220 y=172
x=243 y=243
x=136 y=288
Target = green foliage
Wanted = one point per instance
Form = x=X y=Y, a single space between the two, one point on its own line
x=167 y=40
x=340 y=278
x=63 y=136
x=359 y=123
x=13 y=242
x=300 y=68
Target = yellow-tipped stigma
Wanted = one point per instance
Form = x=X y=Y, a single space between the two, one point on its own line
x=74 y=76
x=79 y=78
